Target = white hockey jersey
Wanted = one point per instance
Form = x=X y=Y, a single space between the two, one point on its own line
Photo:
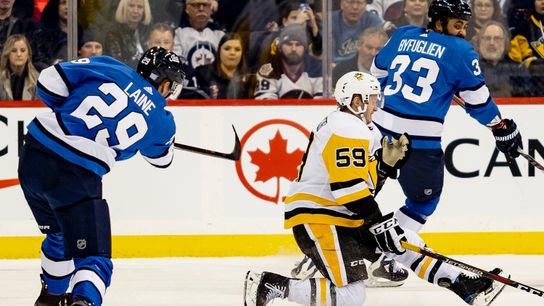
x=338 y=168
x=197 y=48
x=273 y=84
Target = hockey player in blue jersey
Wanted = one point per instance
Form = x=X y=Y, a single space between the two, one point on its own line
x=420 y=70
x=101 y=112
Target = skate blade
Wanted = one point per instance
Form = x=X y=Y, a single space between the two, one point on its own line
x=251 y=284
x=382 y=284
x=486 y=298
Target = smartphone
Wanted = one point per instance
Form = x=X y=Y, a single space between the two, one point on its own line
x=303 y=7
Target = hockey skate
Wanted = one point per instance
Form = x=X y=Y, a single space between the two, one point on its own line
x=79 y=302
x=260 y=289
x=475 y=290
x=46 y=299
x=385 y=272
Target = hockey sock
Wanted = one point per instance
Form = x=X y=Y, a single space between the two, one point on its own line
x=321 y=292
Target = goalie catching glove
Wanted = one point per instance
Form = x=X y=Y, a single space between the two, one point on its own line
x=507 y=137
x=393 y=154
x=389 y=234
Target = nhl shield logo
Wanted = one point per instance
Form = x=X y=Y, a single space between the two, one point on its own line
x=81 y=244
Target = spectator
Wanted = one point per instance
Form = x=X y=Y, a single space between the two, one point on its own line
x=386 y=9
x=483 y=11
x=127 y=38
x=504 y=77
x=197 y=38
x=292 y=12
x=227 y=78
x=347 y=25
x=370 y=43
x=9 y=24
x=51 y=37
x=527 y=45
x=162 y=35
x=88 y=46
x=17 y=73
x=415 y=13
x=292 y=73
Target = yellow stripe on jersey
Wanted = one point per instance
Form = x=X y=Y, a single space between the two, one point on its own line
x=373 y=172
x=354 y=196
x=322 y=219
x=311 y=198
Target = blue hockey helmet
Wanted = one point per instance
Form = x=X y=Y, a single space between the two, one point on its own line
x=157 y=65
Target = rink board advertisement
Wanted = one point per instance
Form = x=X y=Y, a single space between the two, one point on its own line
x=202 y=201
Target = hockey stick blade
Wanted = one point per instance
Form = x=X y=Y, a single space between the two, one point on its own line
x=469 y=268
x=234 y=155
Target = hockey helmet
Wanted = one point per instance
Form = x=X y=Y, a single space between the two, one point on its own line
x=356 y=82
x=157 y=65
x=444 y=9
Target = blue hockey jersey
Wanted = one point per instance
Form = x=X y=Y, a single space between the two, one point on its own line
x=102 y=111
x=420 y=71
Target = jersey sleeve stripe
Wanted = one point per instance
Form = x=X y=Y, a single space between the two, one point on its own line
x=476 y=97
x=65 y=79
x=378 y=72
x=52 y=83
x=162 y=161
x=349 y=190
x=353 y=196
x=340 y=185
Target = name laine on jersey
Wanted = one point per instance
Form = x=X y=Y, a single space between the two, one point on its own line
x=421 y=46
x=140 y=98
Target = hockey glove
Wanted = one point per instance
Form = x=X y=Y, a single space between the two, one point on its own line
x=507 y=137
x=393 y=155
x=389 y=234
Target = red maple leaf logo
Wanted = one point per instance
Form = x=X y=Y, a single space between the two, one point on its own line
x=278 y=162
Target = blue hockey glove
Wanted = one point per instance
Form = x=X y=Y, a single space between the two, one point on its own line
x=507 y=137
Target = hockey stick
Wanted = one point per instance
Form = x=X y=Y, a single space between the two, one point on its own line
x=475 y=270
x=528 y=157
x=234 y=155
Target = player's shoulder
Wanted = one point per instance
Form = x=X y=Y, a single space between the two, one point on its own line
x=345 y=125
x=460 y=45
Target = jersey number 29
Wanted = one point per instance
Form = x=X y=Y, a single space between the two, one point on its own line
x=123 y=125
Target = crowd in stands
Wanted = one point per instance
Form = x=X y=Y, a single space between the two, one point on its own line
x=260 y=49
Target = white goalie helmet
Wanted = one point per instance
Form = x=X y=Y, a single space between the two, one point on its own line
x=356 y=82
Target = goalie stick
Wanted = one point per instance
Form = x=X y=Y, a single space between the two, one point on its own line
x=528 y=157
x=469 y=268
x=234 y=155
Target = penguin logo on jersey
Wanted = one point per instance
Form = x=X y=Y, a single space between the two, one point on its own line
x=271 y=154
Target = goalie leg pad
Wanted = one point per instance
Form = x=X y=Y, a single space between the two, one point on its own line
x=86 y=229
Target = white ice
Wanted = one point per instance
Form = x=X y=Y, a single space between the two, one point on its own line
x=219 y=281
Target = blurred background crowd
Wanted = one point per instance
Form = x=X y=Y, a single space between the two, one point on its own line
x=260 y=49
